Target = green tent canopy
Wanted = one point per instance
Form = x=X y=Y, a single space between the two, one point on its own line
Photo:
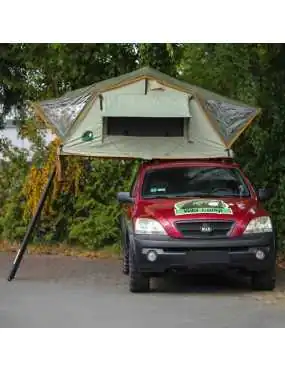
x=146 y=114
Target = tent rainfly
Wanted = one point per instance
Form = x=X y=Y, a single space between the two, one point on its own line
x=146 y=114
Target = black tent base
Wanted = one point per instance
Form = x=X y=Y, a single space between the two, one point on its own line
x=31 y=227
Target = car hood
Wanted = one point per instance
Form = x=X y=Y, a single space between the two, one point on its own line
x=202 y=208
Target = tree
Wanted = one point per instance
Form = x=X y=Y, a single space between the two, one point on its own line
x=12 y=79
x=164 y=57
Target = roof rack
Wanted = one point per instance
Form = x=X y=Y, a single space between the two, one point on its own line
x=229 y=160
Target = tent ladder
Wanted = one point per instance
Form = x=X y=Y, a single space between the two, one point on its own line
x=31 y=227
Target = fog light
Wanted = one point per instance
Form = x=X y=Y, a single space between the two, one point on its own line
x=151 y=256
x=260 y=255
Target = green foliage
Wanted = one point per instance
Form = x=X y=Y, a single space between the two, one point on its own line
x=164 y=57
x=12 y=79
x=223 y=68
x=96 y=211
x=13 y=170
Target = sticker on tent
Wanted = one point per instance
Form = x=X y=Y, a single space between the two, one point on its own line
x=202 y=206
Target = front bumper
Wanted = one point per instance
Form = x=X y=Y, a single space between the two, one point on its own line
x=209 y=254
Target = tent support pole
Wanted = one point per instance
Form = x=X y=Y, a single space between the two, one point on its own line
x=31 y=227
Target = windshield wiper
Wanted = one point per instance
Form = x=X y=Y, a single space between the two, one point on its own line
x=196 y=194
x=157 y=196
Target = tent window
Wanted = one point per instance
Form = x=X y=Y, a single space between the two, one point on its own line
x=145 y=126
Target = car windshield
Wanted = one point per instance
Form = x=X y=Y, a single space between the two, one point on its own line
x=194 y=182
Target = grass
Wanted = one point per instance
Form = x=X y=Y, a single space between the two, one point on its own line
x=109 y=252
x=281 y=259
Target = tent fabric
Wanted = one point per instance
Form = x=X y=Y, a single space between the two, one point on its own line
x=150 y=105
x=200 y=140
x=229 y=117
x=62 y=112
x=213 y=122
x=152 y=148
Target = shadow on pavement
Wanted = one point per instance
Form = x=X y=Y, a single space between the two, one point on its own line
x=228 y=283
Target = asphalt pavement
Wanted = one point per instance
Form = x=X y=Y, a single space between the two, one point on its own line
x=52 y=291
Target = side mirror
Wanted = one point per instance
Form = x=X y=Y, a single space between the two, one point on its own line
x=125 y=198
x=264 y=194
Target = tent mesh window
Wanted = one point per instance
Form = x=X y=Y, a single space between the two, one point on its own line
x=145 y=126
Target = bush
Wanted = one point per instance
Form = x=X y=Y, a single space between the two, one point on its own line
x=83 y=211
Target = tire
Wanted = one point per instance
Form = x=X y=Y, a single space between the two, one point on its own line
x=125 y=268
x=264 y=280
x=124 y=249
x=137 y=281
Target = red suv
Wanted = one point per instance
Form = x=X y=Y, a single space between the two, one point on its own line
x=206 y=215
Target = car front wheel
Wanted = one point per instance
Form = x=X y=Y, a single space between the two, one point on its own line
x=137 y=281
x=264 y=280
x=125 y=251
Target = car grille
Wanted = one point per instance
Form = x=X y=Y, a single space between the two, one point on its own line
x=204 y=229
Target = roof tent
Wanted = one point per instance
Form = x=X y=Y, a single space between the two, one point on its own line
x=146 y=114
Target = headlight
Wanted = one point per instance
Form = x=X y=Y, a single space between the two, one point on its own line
x=148 y=226
x=259 y=225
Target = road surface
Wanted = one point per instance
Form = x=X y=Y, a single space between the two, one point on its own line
x=52 y=291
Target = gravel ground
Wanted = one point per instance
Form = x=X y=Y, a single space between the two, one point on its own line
x=53 y=291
